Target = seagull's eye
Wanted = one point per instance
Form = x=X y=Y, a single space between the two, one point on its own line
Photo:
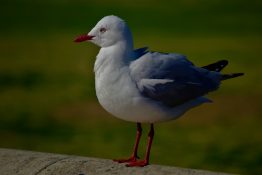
x=102 y=30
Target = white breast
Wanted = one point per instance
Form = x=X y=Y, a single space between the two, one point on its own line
x=116 y=91
x=118 y=94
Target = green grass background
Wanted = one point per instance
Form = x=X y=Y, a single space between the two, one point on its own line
x=47 y=96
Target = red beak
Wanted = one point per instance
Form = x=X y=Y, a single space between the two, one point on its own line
x=84 y=37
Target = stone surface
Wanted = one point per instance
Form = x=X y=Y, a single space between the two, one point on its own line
x=17 y=162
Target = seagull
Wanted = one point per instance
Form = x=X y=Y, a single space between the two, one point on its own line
x=142 y=86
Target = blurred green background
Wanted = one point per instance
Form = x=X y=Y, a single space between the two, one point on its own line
x=47 y=96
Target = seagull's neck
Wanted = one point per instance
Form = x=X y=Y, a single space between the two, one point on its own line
x=115 y=56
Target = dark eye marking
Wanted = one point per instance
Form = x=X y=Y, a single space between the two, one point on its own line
x=102 y=30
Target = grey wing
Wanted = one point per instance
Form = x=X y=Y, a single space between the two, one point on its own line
x=171 y=78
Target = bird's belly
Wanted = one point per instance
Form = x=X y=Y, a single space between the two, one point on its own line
x=118 y=95
x=122 y=99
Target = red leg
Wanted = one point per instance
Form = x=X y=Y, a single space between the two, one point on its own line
x=134 y=155
x=146 y=160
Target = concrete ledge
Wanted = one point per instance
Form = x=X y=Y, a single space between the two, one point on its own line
x=17 y=162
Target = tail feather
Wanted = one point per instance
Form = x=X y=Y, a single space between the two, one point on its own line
x=217 y=66
x=228 y=76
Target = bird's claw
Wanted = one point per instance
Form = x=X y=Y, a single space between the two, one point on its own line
x=137 y=163
x=129 y=160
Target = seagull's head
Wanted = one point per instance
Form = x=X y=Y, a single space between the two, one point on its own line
x=107 y=32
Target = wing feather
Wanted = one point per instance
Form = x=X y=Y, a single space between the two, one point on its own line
x=171 y=78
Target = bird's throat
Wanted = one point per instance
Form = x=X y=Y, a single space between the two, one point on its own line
x=113 y=57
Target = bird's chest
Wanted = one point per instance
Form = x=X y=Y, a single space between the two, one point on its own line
x=115 y=90
x=107 y=86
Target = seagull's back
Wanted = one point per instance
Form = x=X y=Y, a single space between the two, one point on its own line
x=171 y=78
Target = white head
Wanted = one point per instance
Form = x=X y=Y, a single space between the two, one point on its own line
x=109 y=31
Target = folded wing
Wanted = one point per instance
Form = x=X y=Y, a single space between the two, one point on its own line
x=171 y=78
